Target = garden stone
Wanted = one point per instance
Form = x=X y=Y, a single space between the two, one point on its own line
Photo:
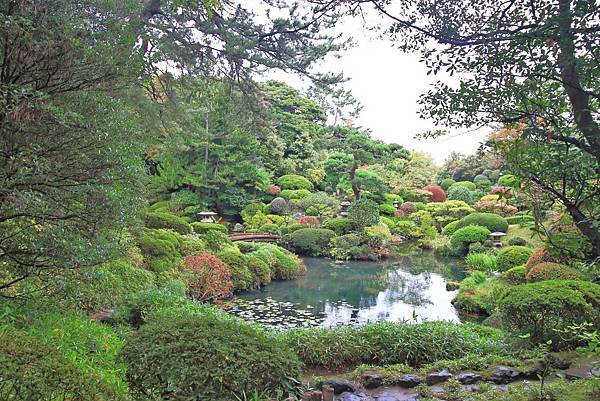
x=576 y=373
x=505 y=375
x=469 y=378
x=350 y=397
x=452 y=285
x=340 y=386
x=533 y=373
x=438 y=377
x=372 y=380
x=409 y=381
x=387 y=398
x=561 y=364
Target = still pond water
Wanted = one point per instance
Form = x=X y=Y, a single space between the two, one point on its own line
x=410 y=288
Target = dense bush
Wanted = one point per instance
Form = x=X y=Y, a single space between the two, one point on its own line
x=270 y=229
x=283 y=264
x=508 y=181
x=445 y=212
x=464 y=236
x=340 y=225
x=387 y=343
x=210 y=278
x=241 y=276
x=437 y=193
x=293 y=181
x=519 y=219
x=479 y=295
x=408 y=207
x=466 y=184
x=34 y=369
x=539 y=255
x=215 y=240
x=518 y=241
x=290 y=194
x=290 y=228
x=253 y=208
x=201 y=228
x=388 y=222
x=206 y=354
x=450 y=228
x=377 y=236
x=309 y=221
x=495 y=206
x=491 y=221
x=311 y=241
x=347 y=247
x=552 y=271
x=515 y=275
x=460 y=193
x=168 y=221
x=387 y=209
x=317 y=204
x=390 y=198
x=512 y=256
x=363 y=213
x=542 y=309
x=160 y=249
x=446 y=183
x=406 y=229
x=481 y=261
x=279 y=206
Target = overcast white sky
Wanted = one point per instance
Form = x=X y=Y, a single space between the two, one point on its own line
x=388 y=83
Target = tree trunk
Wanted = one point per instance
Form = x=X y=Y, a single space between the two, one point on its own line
x=355 y=188
x=587 y=228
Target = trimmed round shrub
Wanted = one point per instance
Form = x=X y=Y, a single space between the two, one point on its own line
x=33 y=369
x=309 y=221
x=508 y=180
x=279 y=206
x=386 y=209
x=168 y=221
x=201 y=228
x=215 y=240
x=437 y=193
x=363 y=213
x=540 y=309
x=311 y=241
x=390 y=198
x=539 y=255
x=290 y=194
x=210 y=278
x=341 y=225
x=241 y=276
x=408 y=207
x=491 y=221
x=480 y=178
x=450 y=228
x=348 y=246
x=406 y=228
x=273 y=190
x=515 y=275
x=488 y=198
x=463 y=237
x=206 y=355
x=290 y=228
x=293 y=181
x=518 y=241
x=466 y=184
x=269 y=228
x=552 y=271
x=512 y=256
x=519 y=219
x=160 y=249
x=388 y=222
x=446 y=183
x=460 y=193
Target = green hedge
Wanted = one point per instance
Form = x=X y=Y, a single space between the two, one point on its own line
x=466 y=184
x=463 y=237
x=205 y=354
x=542 y=309
x=290 y=194
x=201 y=228
x=341 y=225
x=293 y=181
x=167 y=220
x=491 y=221
x=160 y=249
x=512 y=256
x=386 y=343
x=311 y=241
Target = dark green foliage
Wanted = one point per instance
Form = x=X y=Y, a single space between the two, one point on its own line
x=491 y=221
x=292 y=181
x=311 y=241
x=460 y=193
x=206 y=355
x=518 y=241
x=279 y=206
x=269 y=228
x=464 y=236
x=160 y=249
x=34 y=369
x=341 y=225
x=539 y=309
x=348 y=246
x=290 y=228
x=466 y=184
x=450 y=228
x=242 y=277
x=512 y=256
x=407 y=229
x=508 y=180
x=387 y=343
x=167 y=221
x=515 y=275
x=446 y=183
x=215 y=240
x=202 y=228
x=363 y=213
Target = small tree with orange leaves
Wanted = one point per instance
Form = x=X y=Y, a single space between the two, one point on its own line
x=210 y=277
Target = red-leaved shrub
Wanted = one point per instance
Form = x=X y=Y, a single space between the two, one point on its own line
x=399 y=213
x=552 y=271
x=496 y=207
x=540 y=255
x=503 y=191
x=437 y=193
x=210 y=277
x=273 y=190
x=408 y=207
x=309 y=221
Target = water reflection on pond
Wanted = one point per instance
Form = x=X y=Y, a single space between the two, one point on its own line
x=409 y=288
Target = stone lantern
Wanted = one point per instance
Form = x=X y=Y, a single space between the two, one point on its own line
x=496 y=238
x=208 y=217
x=396 y=204
x=345 y=204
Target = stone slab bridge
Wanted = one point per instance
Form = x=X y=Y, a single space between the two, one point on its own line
x=254 y=237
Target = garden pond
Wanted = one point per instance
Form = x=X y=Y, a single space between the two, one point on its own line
x=407 y=288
